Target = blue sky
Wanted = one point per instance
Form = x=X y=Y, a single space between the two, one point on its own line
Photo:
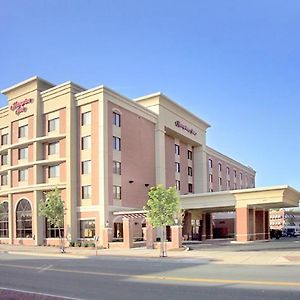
x=235 y=64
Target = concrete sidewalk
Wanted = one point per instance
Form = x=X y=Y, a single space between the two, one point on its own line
x=285 y=257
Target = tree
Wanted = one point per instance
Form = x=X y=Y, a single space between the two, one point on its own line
x=162 y=209
x=53 y=209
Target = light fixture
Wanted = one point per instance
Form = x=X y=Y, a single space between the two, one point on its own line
x=146 y=184
x=130 y=181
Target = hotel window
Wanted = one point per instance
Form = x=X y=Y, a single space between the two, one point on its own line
x=190 y=154
x=246 y=181
x=23 y=153
x=87 y=229
x=211 y=190
x=23 y=131
x=227 y=171
x=24 y=219
x=4 y=139
x=4 y=159
x=116 y=143
x=52 y=231
x=4 y=220
x=53 y=124
x=220 y=182
x=53 y=148
x=228 y=184
x=190 y=171
x=53 y=171
x=177 y=167
x=220 y=167
x=210 y=178
x=210 y=163
x=234 y=173
x=116 y=167
x=4 y=179
x=116 y=119
x=241 y=177
x=177 y=185
x=86 y=167
x=190 y=188
x=86 y=118
x=86 y=192
x=117 y=192
x=234 y=186
x=177 y=149
x=86 y=142
x=23 y=175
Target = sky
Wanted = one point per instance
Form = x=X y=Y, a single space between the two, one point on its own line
x=235 y=64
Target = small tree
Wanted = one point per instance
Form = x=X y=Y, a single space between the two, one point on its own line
x=53 y=209
x=161 y=209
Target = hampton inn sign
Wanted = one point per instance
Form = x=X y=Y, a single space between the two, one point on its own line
x=20 y=106
x=186 y=128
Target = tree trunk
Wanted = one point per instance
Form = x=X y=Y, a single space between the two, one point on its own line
x=61 y=245
x=163 y=252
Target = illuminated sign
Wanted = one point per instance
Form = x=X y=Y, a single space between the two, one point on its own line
x=186 y=128
x=20 y=106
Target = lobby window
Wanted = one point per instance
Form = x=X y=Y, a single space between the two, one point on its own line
x=116 y=167
x=117 y=192
x=190 y=188
x=116 y=119
x=86 y=118
x=190 y=171
x=24 y=219
x=220 y=182
x=228 y=184
x=23 y=175
x=87 y=229
x=227 y=171
x=220 y=167
x=177 y=167
x=53 y=171
x=4 y=180
x=116 y=143
x=23 y=131
x=210 y=178
x=190 y=154
x=52 y=231
x=53 y=124
x=53 y=148
x=4 y=159
x=86 y=192
x=23 y=153
x=86 y=167
x=177 y=185
x=211 y=190
x=177 y=149
x=210 y=163
x=4 y=139
x=4 y=220
x=234 y=186
x=86 y=142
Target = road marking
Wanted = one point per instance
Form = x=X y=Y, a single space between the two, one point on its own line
x=44 y=268
x=164 y=278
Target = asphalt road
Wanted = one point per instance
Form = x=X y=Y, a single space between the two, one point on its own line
x=138 y=278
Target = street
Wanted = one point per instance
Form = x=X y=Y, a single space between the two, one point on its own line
x=145 y=278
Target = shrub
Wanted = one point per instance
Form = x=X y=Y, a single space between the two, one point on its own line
x=78 y=244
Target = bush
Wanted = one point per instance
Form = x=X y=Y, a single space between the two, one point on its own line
x=71 y=244
x=91 y=244
x=85 y=244
x=78 y=244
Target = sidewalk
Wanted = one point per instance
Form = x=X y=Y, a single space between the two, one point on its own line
x=285 y=257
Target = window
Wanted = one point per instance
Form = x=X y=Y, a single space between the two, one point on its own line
x=23 y=131
x=190 y=171
x=234 y=173
x=227 y=171
x=86 y=167
x=116 y=119
x=228 y=184
x=117 y=192
x=24 y=219
x=177 y=167
x=4 y=220
x=87 y=229
x=190 y=154
x=246 y=181
x=52 y=231
x=220 y=182
x=177 y=184
x=4 y=179
x=53 y=124
x=4 y=159
x=234 y=186
x=177 y=149
x=211 y=190
x=86 y=118
x=210 y=178
x=210 y=163
x=190 y=188
x=53 y=171
x=23 y=153
x=86 y=142
x=86 y=192
x=116 y=143
x=53 y=148
x=116 y=167
x=4 y=139
x=23 y=175
x=220 y=167
x=241 y=177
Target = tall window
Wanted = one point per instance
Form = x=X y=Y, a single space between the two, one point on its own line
x=116 y=143
x=53 y=124
x=210 y=178
x=116 y=119
x=24 y=219
x=23 y=175
x=86 y=192
x=4 y=220
x=116 y=167
x=177 y=167
x=86 y=167
x=210 y=163
x=220 y=167
x=4 y=159
x=87 y=229
x=234 y=173
x=190 y=154
x=190 y=188
x=117 y=192
x=190 y=171
x=86 y=142
x=86 y=118
x=228 y=184
x=177 y=149
x=53 y=148
x=52 y=231
x=23 y=131
x=53 y=171
x=4 y=180
x=227 y=171
x=4 y=139
x=177 y=185
x=23 y=153
x=220 y=182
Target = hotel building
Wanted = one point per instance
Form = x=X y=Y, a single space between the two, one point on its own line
x=104 y=151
